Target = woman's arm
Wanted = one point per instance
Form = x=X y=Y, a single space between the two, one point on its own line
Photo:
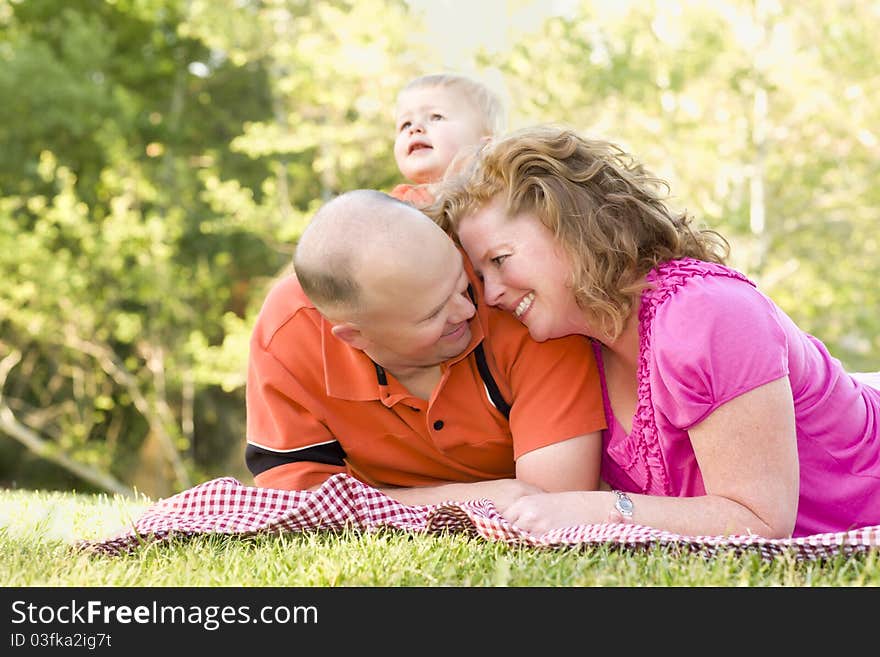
x=747 y=452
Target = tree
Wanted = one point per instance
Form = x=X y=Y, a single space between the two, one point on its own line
x=114 y=284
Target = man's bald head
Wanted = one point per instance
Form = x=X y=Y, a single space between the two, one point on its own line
x=359 y=242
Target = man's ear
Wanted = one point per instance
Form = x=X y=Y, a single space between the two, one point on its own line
x=350 y=334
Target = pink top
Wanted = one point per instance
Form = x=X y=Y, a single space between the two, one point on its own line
x=708 y=335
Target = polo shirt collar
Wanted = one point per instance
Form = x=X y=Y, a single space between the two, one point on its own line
x=348 y=373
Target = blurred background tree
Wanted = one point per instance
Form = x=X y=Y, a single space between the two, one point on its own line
x=160 y=158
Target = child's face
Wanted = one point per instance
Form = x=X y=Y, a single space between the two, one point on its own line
x=433 y=125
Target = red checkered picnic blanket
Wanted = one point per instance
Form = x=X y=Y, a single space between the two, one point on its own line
x=226 y=506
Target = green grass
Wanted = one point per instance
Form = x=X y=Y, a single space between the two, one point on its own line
x=38 y=530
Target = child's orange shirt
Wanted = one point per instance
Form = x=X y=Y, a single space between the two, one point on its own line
x=417 y=195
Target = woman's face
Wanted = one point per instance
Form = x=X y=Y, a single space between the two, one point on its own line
x=524 y=270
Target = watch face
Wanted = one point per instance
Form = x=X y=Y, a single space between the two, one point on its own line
x=624 y=504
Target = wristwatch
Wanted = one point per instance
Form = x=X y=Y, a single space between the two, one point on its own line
x=624 y=505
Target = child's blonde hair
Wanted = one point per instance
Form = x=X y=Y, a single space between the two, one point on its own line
x=487 y=102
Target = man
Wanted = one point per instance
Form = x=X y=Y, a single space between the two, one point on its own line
x=368 y=361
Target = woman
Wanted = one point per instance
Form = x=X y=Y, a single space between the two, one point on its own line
x=724 y=417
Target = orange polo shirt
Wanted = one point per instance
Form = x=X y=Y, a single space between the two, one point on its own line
x=316 y=406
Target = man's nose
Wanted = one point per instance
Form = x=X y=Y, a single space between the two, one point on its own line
x=464 y=309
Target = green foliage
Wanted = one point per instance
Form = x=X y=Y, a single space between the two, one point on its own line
x=114 y=280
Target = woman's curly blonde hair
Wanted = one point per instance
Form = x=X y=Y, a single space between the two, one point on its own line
x=603 y=207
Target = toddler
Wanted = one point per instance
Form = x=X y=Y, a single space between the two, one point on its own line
x=436 y=117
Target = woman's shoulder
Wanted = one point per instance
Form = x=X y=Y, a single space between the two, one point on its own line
x=668 y=277
x=708 y=337
x=696 y=284
x=693 y=294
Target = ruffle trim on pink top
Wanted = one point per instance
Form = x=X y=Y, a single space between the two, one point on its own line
x=646 y=464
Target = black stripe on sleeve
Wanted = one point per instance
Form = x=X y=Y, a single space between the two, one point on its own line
x=259 y=459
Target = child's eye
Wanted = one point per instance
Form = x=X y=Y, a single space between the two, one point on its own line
x=436 y=117
x=497 y=260
x=403 y=126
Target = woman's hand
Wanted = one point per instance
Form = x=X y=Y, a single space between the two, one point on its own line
x=541 y=513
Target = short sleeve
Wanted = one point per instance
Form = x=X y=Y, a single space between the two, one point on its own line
x=713 y=339
x=289 y=446
x=286 y=442
x=556 y=390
